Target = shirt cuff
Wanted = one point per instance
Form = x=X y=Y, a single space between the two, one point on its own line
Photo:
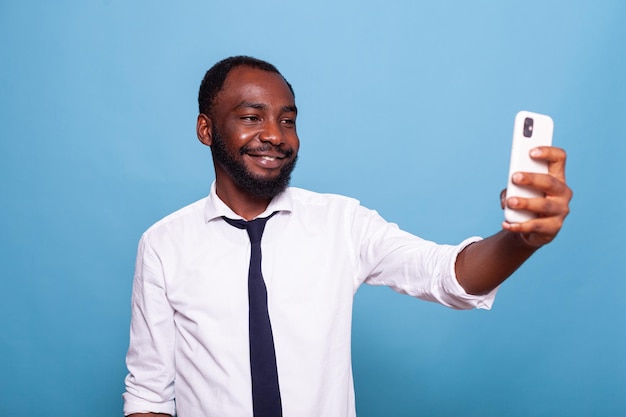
x=133 y=405
x=468 y=301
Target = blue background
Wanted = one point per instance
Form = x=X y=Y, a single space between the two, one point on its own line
x=405 y=105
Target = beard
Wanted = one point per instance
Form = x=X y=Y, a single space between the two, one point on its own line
x=249 y=183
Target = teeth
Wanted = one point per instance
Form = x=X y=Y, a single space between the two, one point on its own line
x=268 y=158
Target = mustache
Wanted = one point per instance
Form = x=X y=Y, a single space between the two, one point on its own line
x=266 y=147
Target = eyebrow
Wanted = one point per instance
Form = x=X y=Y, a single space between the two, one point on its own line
x=261 y=106
x=287 y=109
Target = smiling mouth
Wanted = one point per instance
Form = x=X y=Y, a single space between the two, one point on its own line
x=267 y=161
x=267 y=153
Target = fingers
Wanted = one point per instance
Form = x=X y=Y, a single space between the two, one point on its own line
x=543 y=207
x=542 y=225
x=547 y=183
x=552 y=183
x=537 y=232
x=555 y=203
x=555 y=157
x=552 y=209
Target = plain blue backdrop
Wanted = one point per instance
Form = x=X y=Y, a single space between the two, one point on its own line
x=405 y=105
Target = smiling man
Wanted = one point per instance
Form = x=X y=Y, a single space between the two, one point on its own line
x=242 y=301
x=257 y=115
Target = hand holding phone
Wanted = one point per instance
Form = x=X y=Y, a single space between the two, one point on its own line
x=530 y=131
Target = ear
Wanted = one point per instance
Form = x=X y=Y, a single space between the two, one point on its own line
x=204 y=129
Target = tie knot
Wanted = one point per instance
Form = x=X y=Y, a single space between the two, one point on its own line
x=253 y=227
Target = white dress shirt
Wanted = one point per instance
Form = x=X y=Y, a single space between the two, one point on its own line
x=189 y=348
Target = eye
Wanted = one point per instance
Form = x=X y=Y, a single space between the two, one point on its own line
x=288 y=122
x=249 y=118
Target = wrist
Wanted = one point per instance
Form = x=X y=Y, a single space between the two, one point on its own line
x=525 y=240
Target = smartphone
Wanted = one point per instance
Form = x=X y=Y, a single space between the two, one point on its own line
x=530 y=130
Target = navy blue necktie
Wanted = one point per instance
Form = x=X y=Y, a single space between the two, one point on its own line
x=265 y=390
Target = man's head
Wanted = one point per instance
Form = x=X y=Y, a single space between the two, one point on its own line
x=214 y=79
x=247 y=117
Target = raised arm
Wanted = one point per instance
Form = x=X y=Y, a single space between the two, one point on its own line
x=482 y=266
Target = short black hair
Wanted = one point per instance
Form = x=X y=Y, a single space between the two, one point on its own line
x=215 y=77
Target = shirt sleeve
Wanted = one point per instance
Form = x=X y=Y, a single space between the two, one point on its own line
x=411 y=265
x=150 y=357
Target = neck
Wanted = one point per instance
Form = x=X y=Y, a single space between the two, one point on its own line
x=242 y=203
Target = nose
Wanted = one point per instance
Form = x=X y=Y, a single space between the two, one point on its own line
x=271 y=133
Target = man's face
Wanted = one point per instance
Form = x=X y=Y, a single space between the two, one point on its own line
x=254 y=139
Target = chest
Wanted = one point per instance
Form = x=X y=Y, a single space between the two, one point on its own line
x=308 y=272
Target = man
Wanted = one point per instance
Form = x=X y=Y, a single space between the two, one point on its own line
x=192 y=345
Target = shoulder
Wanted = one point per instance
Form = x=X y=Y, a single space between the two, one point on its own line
x=329 y=208
x=300 y=196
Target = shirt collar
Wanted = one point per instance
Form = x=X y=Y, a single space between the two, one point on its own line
x=216 y=208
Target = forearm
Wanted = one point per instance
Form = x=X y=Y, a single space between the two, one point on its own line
x=484 y=265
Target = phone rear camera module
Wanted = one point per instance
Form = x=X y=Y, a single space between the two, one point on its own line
x=528 y=127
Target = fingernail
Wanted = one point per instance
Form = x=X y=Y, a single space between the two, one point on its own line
x=535 y=152
x=517 y=177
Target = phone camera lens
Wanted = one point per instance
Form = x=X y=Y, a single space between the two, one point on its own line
x=528 y=127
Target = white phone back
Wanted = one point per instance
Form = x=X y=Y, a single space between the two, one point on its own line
x=521 y=160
